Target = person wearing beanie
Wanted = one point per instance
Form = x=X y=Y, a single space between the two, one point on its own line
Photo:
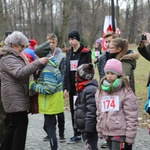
x=74 y=35
x=114 y=66
x=117 y=108
x=118 y=48
x=76 y=56
x=29 y=51
x=32 y=44
x=51 y=46
x=85 y=105
x=97 y=51
x=15 y=98
x=42 y=50
x=50 y=94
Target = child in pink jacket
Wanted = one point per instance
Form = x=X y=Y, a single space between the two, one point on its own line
x=117 y=110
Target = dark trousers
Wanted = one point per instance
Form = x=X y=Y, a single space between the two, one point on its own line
x=117 y=145
x=3 y=122
x=50 y=126
x=71 y=101
x=61 y=124
x=91 y=141
x=15 y=136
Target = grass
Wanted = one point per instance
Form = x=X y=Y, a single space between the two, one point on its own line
x=141 y=77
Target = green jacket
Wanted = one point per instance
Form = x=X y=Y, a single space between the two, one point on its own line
x=129 y=65
x=49 y=87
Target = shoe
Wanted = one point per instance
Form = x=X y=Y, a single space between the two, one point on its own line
x=104 y=145
x=62 y=139
x=74 y=139
x=46 y=138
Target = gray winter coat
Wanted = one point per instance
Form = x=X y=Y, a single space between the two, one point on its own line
x=14 y=76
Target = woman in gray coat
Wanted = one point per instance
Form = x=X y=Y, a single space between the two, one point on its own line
x=14 y=76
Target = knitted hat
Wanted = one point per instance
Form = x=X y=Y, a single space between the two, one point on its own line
x=113 y=65
x=85 y=72
x=99 y=41
x=32 y=42
x=42 y=50
x=74 y=35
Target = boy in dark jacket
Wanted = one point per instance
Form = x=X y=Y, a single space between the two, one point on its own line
x=75 y=57
x=85 y=111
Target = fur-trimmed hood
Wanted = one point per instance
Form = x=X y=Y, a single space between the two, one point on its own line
x=130 y=57
x=7 y=50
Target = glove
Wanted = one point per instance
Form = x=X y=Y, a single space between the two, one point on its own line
x=31 y=84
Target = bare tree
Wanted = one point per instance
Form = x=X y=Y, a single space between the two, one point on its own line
x=133 y=23
x=148 y=20
x=67 y=7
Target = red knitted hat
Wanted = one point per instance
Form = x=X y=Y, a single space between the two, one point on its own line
x=32 y=42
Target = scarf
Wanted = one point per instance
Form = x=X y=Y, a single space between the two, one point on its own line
x=111 y=87
x=111 y=55
x=80 y=85
x=23 y=56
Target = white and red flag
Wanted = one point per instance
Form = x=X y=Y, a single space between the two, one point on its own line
x=108 y=27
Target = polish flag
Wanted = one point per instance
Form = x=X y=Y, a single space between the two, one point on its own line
x=118 y=31
x=107 y=27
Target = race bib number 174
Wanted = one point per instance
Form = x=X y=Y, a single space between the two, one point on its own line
x=110 y=103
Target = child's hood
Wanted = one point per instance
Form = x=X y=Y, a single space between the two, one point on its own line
x=52 y=62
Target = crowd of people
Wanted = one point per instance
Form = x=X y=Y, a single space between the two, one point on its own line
x=100 y=109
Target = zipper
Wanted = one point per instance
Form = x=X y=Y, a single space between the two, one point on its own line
x=45 y=102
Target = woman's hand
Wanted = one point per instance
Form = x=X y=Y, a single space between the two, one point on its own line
x=43 y=60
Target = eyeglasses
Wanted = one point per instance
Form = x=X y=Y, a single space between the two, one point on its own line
x=22 y=46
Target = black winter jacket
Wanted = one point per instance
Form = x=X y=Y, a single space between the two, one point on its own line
x=145 y=52
x=85 y=111
x=84 y=56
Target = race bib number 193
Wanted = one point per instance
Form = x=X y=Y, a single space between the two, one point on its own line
x=110 y=103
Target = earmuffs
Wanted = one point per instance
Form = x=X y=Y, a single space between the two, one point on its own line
x=107 y=88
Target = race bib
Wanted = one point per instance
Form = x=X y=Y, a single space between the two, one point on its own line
x=110 y=103
x=74 y=100
x=73 y=65
x=97 y=53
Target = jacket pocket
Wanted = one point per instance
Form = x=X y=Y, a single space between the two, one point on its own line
x=79 y=117
x=116 y=122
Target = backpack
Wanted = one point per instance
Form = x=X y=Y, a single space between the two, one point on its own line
x=147 y=104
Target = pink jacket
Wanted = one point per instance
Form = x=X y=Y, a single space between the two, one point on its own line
x=118 y=123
